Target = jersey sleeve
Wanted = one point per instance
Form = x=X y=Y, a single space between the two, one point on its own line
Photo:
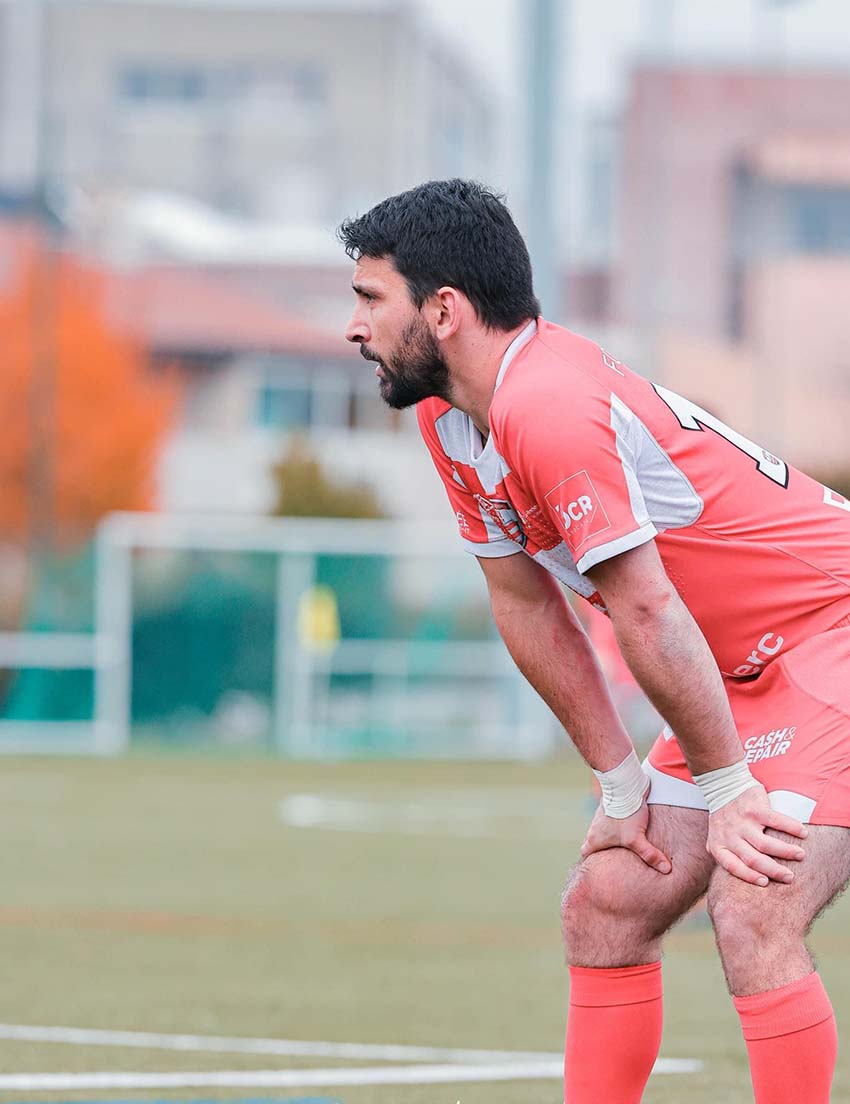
x=578 y=456
x=479 y=534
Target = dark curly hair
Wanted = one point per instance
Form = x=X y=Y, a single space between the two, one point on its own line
x=455 y=233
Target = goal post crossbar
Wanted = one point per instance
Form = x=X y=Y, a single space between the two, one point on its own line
x=296 y=542
x=302 y=675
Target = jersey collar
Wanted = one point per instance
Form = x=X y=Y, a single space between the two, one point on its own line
x=482 y=454
x=522 y=338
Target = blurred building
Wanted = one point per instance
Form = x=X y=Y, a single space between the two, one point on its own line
x=203 y=151
x=734 y=247
x=296 y=111
x=251 y=373
x=254 y=373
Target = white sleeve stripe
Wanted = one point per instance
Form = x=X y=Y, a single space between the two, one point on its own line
x=622 y=421
x=658 y=489
x=492 y=549
x=602 y=552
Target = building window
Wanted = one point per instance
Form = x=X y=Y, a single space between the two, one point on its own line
x=810 y=223
x=368 y=410
x=295 y=86
x=297 y=394
x=308 y=85
x=820 y=219
x=162 y=84
x=285 y=405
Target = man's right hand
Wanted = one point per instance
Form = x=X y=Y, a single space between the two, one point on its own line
x=606 y=832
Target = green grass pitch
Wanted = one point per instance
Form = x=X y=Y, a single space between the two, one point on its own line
x=166 y=894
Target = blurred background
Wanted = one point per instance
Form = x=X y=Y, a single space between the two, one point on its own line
x=172 y=300
x=230 y=584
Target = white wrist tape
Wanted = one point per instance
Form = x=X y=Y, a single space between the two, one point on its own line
x=623 y=788
x=723 y=785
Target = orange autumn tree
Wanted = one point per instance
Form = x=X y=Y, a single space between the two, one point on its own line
x=96 y=412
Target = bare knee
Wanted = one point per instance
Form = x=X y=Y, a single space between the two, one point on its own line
x=615 y=909
x=741 y=914
x=592 y=896
x=760 y=933
x=746 y=915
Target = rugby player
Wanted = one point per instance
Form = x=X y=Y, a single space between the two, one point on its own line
x=726 y=575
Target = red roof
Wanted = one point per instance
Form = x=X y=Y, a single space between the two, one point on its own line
x=177 y=308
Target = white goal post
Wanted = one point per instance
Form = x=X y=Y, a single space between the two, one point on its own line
x=525 y=729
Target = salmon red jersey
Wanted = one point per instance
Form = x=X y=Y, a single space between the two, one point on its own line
x=586 y=460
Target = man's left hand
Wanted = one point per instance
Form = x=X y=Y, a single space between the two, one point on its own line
x=737 y=840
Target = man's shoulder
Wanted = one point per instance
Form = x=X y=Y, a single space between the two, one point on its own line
x=428 y=413
x=430 y=409
x=559 y=373
x=557 y=361
x=558 y=345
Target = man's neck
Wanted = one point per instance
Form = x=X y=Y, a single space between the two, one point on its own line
x=474 y=368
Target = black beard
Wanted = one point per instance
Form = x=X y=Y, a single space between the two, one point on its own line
x=419 y=371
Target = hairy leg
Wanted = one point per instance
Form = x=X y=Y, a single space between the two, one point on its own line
x=786 y=1015
x=761 y=932
x=615 y=909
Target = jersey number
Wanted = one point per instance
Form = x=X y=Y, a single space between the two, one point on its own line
x=691 y=416
x=833 y=498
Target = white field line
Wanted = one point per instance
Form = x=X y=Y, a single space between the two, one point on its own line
x=452 y=815
x=324 y=1078
x=222 y=1044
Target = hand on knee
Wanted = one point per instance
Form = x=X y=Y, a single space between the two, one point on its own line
x=609 y=914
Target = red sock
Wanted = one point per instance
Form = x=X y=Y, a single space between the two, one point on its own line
x=792 y=1042
x=613 y=1033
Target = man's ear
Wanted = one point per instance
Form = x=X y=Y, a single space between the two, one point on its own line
x=448 y=308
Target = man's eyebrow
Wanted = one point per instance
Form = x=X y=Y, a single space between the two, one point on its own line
x=362 y=289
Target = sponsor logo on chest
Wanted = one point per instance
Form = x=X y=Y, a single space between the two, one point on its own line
x=577 y=507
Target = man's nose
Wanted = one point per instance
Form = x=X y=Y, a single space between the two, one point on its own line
x=356 y=330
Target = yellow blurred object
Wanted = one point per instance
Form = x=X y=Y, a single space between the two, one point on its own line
x=318 y=619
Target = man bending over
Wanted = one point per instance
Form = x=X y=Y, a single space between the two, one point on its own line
x=726 y=575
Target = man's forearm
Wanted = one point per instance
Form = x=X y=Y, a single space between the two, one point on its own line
x=668 y=655
x=551 y=649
